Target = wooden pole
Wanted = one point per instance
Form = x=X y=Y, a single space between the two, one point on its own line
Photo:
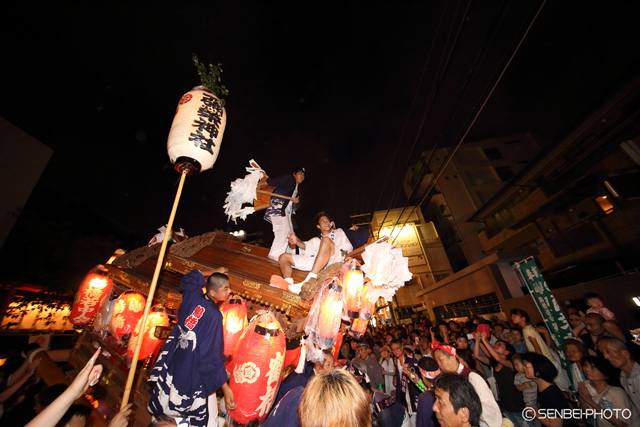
x=152 y=290
x=274 y=194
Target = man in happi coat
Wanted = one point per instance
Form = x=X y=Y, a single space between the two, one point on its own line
x=280 y=211
x=328 y=248
x=190 y=367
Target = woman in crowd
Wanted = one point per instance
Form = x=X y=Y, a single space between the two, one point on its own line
x=576 y=351
x=466 y=358
x=599 y=393
x=332 y=399
x=509 y=397
x=461 y=341
x=540 y=369
x=535 y=343
x=388 y=370
x=544 y=332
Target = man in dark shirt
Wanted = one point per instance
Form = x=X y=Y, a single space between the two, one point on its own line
x=407 y=392
x=281 y=209
x=373 y=367
x=429 y=370
x=386 y=412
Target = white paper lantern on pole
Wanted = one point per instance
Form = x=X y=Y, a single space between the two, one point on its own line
x=197 y=129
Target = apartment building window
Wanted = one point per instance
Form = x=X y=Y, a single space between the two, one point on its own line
x=482 y=304
x=493 y=153
x=605 y=204
x=502 y=220
x=580 y=236
x=624 y=185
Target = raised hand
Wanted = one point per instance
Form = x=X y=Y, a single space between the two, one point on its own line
x=88 y=376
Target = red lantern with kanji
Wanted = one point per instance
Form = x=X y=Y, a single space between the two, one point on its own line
x=359 y=325
x=352 y=280
x=257 y=369
x=157 y=317
x=127 y=311
x=234 y=320
x=329 y=314
x=95 y=287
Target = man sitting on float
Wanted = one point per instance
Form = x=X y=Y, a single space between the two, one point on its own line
x=330 y=247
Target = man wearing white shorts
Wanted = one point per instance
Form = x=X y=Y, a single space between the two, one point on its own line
x=330 y=247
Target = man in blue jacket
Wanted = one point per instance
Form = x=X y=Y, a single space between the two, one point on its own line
x=281 y=209
x=190 y=367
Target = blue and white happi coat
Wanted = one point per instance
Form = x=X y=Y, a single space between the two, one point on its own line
x=190 y=366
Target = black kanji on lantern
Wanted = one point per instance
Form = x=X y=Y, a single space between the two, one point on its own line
x=208 y=122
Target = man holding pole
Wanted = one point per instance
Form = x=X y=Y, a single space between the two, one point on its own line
x=190 y=367
x=281 y=209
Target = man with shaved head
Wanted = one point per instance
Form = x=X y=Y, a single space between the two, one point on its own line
x=598 y=328
x=617 y=353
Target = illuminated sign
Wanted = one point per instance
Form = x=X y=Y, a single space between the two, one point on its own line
x=408 y=240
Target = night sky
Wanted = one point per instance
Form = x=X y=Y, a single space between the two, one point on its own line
x=340 y=89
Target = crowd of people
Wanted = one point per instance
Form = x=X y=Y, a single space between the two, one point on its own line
x=508 y=372
x=471 y=372
x=513 y=367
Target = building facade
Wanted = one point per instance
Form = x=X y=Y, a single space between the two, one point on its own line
x=572 y=205
x=477 y=171
x=420 y=243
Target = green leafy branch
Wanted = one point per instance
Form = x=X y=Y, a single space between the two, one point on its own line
x=210 y=78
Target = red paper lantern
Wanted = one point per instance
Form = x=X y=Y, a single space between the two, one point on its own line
x=234 y=320
x=127 y=311
x=257 y=369
x=292 y=356
x=95 y=287
x=157 y=317
x=335 y=350
x=359 y=325
x=330 y=314
x=352 y=279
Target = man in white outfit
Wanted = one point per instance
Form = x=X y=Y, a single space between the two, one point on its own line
x=330 y=247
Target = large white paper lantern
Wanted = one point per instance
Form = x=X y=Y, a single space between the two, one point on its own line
x=197 y=129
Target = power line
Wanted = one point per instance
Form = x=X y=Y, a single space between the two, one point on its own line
x=415 y=96
x=449 y=157
x=435 y=88
x=465 y=90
